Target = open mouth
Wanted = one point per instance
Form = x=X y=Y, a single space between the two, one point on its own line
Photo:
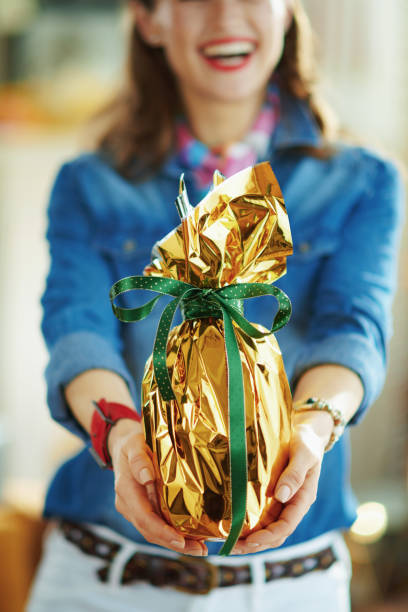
x=228 y=54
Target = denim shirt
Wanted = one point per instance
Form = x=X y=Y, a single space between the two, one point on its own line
x=346 y=213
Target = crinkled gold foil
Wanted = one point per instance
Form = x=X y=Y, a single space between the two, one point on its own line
x=238 y=233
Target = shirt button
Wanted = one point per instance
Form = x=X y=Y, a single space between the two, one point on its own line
x=129 y=246
x=304 y=247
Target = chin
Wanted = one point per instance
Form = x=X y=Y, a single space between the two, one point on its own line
x=229 y=92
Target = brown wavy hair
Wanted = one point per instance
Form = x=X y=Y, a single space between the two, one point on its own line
x=138 y=124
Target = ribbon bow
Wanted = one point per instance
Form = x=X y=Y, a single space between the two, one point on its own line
x=225 y=302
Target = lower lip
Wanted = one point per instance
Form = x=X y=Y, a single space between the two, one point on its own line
x=218 y=65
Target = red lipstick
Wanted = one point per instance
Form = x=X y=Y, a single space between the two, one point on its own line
x=218 y=63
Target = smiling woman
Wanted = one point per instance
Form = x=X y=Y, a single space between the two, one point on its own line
x=141 y=119
x=191 y=32
x=212 y=84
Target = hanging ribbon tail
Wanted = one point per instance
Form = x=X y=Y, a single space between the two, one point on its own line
x=237 y=436
x=160 y=350
x=236 y=398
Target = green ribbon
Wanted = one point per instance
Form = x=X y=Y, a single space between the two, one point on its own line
x=225 y=302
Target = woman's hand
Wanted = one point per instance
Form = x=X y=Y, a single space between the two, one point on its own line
x=297 y=485
x=136 y=497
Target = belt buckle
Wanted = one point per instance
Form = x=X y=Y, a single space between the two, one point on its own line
x=212 y=573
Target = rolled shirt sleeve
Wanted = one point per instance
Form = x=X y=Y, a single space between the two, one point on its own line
x=78 y=325
x=351 y=322
x=73 y=354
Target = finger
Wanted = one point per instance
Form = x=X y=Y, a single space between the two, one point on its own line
x=294 y=475
x=245 y=547
x=157 y=531
x=133 y=503
x=140 y=463
x=240 y=547
x=142 y=469
x=152 y=496
x=131 y=495
x=203 y=547
x=196 y=548
x=276 y=533
x=300 y=504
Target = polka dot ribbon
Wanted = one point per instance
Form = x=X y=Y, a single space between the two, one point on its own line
x=225 y=298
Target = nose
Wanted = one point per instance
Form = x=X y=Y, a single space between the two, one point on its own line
x=226 y=12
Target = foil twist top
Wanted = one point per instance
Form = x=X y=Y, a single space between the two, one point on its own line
x=238 y=233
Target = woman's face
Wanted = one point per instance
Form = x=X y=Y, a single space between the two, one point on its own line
x=221 y=50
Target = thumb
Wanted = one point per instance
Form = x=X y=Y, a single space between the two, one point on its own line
x=140 y=464
x=142 y=470
x=293 y=477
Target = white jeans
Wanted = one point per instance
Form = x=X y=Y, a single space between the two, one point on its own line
x=66 y=582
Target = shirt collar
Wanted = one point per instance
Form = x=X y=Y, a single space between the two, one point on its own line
x=296 y=127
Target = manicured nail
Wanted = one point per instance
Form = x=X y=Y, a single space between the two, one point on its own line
x=145 y=476
x=283 y=494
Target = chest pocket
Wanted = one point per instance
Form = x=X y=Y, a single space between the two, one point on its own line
x=128 y=254
x=308 y=249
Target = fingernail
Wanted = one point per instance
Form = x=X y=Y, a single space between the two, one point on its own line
x=145 y=476
x=283 y=494
x=177 y=543
x=253 y=544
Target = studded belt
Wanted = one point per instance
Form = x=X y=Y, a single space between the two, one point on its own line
x=187 y=573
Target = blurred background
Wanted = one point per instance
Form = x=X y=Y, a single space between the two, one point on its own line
x=59 y=61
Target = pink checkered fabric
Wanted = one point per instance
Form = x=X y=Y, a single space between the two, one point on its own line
x=203 y=160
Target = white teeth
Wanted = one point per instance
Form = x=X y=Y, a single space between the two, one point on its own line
x=235 y=60
x=228 y=49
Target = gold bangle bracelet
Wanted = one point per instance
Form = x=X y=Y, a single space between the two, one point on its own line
x=339 y=423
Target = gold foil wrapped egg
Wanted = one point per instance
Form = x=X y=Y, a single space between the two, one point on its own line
x=239 y=233
x=189 y=436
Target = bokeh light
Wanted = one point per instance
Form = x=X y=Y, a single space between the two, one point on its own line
x=371 y=522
